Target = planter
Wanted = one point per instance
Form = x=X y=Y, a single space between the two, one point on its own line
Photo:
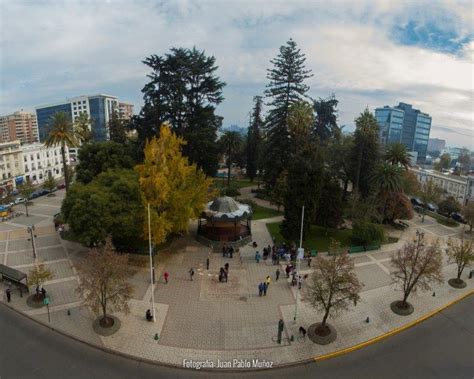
x=398 y=308
x=108 y=330
x=322 y=336
x=34 y=302
x=457 y=283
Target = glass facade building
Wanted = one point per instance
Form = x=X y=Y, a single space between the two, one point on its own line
x=99 y=108
x=407 y=125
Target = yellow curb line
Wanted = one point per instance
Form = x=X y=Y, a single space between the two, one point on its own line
x=391 y=333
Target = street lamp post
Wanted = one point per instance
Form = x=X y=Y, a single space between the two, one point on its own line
x=298 y=258
x=152 y=271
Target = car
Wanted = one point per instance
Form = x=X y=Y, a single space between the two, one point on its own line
x=431 y=207
x=35 y=194
x=416 y=201
x=19 y=200
x=15 y=192
x=61 y=186
x=458 y=217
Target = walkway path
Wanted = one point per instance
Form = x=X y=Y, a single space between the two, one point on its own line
x=247 y=193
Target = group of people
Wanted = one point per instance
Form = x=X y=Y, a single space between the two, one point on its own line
x=278 y=253
x=228 y=251
x=263 y=286
x=224 y=273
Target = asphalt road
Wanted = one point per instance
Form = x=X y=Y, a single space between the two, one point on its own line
x=441 y=347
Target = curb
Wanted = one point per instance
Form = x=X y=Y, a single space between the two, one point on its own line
x=280 y=366
x=391 y=333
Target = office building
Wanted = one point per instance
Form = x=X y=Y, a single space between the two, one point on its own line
x=125 y=111
x=11 y=165
x=40 y=162
x=99 y=108
x=436 y=144
x=19 y=126
x=406 y=125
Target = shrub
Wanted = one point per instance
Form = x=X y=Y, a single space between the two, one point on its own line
x=230 y=191
x=366 y=233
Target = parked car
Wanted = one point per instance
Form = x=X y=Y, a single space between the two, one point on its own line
x=61 y=186
x=19 y=200
x=431 y=207
x=458 y=217
x=15 y=192
x=416 y=201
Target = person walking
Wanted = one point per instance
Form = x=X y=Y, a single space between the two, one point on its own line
x=231 y=252
x=265 y=287
x=287 y=270
x=9 y=294
x=224 y=250
x=166 y=276
x=257 y=257
x=191 y=273
x=277 y=274
x=268 y=280
x=260 y=289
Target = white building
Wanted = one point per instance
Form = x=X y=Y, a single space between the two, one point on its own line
x=459 y=187
x=40 y=161
x=11 y=165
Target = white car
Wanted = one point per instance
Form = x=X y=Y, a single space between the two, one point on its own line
x=19 y=200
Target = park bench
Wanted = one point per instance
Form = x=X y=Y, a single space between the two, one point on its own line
x=356 y=249
x=14 y=276
x=372 y=247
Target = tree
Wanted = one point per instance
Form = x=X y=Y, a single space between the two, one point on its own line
x=254 y=139
x=37 y=276
x=330 y=206
x=286 y=86
x=230 y=142
x=62 y=133
x=366 y=233
x=109 y=205
x=26 y=190
x=339 y=159
x=416 y=266
x=429 y=193
x=278 y=192
x=465 y=161
x=468 y=213
x=365 y=153
x=333 y=287
x=325 y=123
x=397 y=206
x=103 y=284
x=117 y=129
x=462 y=254
x=175 y=189
x=409 y=182
x=50 y=184
x=98 y=157
x=387 y=178
x=305 y=170
x=448 y=206
x=82 y=128
x=444 y=162
x=184 y=90
x=396 y=154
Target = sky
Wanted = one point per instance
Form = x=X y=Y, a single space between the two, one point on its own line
x=366 y=53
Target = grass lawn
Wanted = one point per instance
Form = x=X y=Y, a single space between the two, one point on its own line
x=236 y=183
x=319 y=238
x=260 y=212
x=442 y=220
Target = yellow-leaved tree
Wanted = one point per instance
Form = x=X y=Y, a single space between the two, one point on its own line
x=176 y=190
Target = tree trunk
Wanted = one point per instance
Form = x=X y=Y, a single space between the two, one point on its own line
x=326 y=314
x=357 y=178
x=26 y=207
x=66 y=174
x=405 y=297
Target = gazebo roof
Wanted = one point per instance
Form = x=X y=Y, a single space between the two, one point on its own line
x=227 y=208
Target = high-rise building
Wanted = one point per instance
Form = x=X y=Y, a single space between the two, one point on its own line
x=406 y=125
x=125 y=110
x=436 y=144
x=99 y=108
x=19 y=126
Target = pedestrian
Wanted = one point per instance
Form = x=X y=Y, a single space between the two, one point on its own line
x=265 y=287
x=309 y=261
x=257 y=257
x=43 y=292
x=224 y=249
x=191 y=273
x=148 y=315
x=300 y=282
x=277 y=274
x=9 y=294
x=287 y=270
x=260 y=289
x=226 y=266
x=231 y=252
x=207 y=263
x=166 y=275
x=268 y=280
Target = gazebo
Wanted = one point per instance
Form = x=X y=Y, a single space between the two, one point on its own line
x=226 y=220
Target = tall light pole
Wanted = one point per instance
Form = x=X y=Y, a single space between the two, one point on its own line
x=151 y=266
x=299 y=256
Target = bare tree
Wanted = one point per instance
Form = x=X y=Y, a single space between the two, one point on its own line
x=417 y=265
x=37 y=276
x=333 y=286
x=103 y=277
x=461 y=253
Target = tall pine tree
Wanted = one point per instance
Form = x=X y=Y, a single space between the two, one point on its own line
x=117 y=129
x=184 y=90
x=254 y=139
x=286 y=87
x=325 y=123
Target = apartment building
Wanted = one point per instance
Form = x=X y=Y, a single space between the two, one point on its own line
x=11 y=165
x=21 y=126
x=40 y=162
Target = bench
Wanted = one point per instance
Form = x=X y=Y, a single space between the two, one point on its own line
x=372 y=247
x=15 y=276
x=356 y=249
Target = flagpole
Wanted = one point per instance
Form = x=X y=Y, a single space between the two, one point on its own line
x=298 y=258
x=151 y=266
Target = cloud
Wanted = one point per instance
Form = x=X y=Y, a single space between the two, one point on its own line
x=77 y=47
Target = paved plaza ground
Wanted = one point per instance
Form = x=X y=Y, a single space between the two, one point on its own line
x=204 y=319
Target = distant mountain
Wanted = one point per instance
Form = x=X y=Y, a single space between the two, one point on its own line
x=236 y=128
